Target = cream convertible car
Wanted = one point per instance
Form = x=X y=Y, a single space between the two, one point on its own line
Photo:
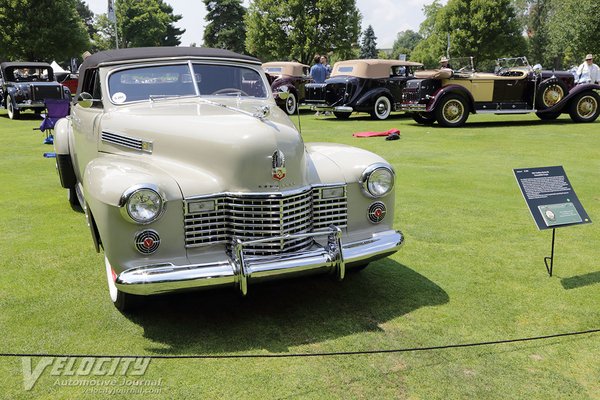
x=190 y=176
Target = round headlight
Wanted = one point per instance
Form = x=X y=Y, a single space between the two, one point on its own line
x=378 y=181
x=144 y=205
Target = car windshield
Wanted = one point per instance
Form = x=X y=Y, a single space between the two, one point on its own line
x=29 y=74
x=176 y=80
x=462 y=64
x=517 y=62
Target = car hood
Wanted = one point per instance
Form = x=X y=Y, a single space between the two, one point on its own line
x=208 y=148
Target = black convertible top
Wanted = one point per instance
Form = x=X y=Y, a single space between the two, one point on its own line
x=157 y=53
x=150 y=53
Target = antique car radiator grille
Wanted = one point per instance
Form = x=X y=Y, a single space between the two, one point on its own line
x=46 y=92
x=218 y=220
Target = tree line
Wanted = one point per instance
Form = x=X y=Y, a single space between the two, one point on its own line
x=555 y=33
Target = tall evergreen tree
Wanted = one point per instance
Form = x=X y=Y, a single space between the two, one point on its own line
x=368 y=46
x=225 y=28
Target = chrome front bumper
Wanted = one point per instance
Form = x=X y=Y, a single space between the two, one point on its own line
x=325 y=107
x=239 y=270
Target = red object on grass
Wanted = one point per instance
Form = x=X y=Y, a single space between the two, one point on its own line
x=373 y=134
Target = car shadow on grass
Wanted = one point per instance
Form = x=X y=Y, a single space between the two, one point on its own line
x=497 y=124
x=574 y=282
x=278 y=315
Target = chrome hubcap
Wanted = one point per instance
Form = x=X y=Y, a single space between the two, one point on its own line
x=453 y=111
x=587 y=107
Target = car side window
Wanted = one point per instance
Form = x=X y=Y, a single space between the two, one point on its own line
x=91 y=85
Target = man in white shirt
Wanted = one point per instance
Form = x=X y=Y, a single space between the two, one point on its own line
x=588 y=72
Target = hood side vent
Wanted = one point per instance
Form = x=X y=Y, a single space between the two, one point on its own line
x=126 y=141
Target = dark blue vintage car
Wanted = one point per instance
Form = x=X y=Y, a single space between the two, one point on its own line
x=371 y=86
x=25 y=86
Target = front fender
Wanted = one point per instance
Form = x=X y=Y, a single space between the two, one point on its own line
x=105 y=180
x=335 y=163
x=451 y=89
x=62 y=133
x=564 y=103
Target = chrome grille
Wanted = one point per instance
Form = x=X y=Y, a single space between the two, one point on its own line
x=257 y=217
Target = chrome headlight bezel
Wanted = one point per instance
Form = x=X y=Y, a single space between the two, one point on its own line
x=131 y=194
x=372 y=172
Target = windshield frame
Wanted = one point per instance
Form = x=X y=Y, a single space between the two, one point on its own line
x=190 y=66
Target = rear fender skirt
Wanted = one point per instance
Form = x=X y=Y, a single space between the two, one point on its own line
x=457 y=89
x=563 y=104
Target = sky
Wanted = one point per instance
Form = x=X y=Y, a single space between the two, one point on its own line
x=388 y=17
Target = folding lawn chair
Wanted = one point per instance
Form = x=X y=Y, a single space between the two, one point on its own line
x=56 y=109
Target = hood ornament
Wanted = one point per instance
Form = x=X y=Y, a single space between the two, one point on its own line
x=278 y=164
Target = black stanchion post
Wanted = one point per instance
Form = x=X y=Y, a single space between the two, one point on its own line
x=551 y=258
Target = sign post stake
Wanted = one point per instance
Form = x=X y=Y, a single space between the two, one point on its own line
x=551 y=258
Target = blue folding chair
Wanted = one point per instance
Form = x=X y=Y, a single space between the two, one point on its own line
x=55 y=110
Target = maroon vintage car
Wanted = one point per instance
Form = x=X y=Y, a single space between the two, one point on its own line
x=291 y=77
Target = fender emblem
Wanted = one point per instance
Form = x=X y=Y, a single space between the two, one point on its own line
x=278 y=164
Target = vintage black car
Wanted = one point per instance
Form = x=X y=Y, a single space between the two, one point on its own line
x=25 y=85
x=372 y=86
x=449 y=95
x=290 y=77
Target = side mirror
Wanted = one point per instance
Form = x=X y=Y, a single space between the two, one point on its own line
x=282 y=93
x=85 y=100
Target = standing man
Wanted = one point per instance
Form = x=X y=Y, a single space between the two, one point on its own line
x=588 y=72
x=318 y=71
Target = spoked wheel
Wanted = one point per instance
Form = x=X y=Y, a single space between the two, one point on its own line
x=124 y=302
x=452 y=112
x=550 y=93
x=291 y=104
x=584 y=107
x=382 y=108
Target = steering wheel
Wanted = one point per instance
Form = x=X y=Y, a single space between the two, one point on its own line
x=463 y=69
x=502 y=71
x=230 y=90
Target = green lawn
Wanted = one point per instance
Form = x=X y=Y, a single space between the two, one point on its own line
x=471 y=270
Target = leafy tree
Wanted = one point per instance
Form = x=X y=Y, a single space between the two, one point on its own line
x=368 y=46
x=484 y=29
x=225 y=28
x=30 y=30
x=86 y=15
x=297 y=29
x=147 y=23
x=575 y=31
x=405 y=42
x=433 y=44
x=104 y=35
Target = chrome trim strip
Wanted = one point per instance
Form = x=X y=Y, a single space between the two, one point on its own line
x=118 y=139
x=161 y=278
